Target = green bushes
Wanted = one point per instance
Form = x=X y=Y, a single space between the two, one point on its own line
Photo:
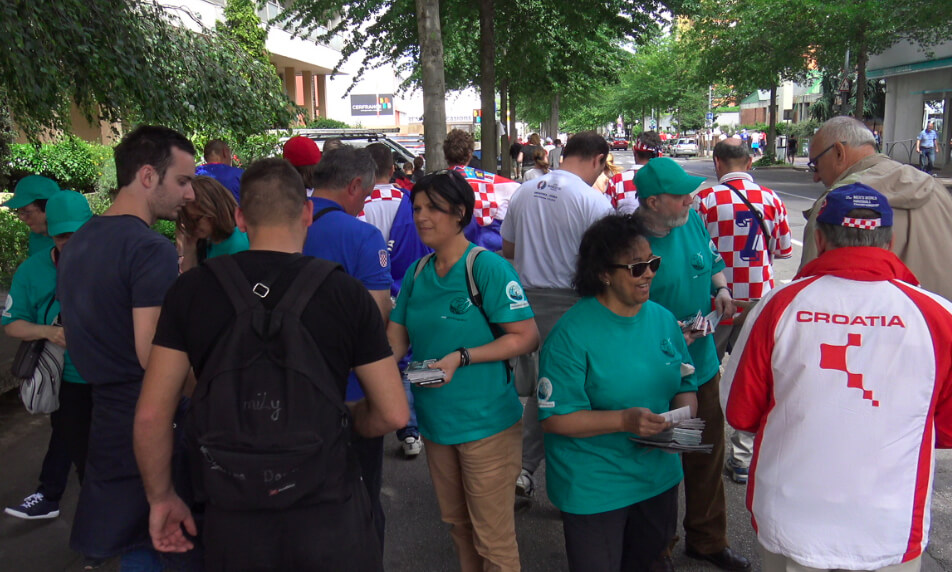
x=326 y=123
x=71 y=162
x=14 y=238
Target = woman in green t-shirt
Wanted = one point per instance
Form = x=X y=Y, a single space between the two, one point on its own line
x=471 y=423
x=609 y=367
x=206 y=227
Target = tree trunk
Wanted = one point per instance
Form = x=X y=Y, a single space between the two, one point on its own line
x=861 y=58
x=505 y=140
x=554 y=117
x=434 y=82
x=487 y=82
x=772 y=121
x=512 y=121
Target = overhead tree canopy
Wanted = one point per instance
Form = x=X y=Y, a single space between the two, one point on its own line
x=119 y=60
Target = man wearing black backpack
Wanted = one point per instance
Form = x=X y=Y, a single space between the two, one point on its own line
x=271 y=336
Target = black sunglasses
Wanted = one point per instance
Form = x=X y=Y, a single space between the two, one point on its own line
x=636 y=269
x=811 y=164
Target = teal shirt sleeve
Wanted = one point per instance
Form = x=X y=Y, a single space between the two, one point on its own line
x=237 y=242
x=28 y=298
x=504 y=300
x=562 y=366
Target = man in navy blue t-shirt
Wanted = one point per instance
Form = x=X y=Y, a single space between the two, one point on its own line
x=111 y=282
x=342 y=182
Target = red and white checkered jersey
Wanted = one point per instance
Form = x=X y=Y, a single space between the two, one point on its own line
x=621 y=191
x=484 y=186
x=738 y=236
x=381 y=206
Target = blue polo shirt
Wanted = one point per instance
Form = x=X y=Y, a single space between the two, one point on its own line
x=228 y=176
x=354 y=244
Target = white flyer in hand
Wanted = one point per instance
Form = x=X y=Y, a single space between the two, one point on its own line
x=677 y=415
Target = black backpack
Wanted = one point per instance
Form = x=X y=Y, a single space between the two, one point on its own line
x=268 y=426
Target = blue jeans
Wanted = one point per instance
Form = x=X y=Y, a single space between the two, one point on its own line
x=927 y=158
x=142 y=560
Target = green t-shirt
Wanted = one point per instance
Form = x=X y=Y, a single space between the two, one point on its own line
x=683 y=283
x=39 y=243
x=596 y=360
x=31 y=299
x=439 y=317
x=237 y=242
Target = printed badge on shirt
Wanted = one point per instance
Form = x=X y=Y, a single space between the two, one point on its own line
x=7 y=306
x=544 y=393
x=516 y=296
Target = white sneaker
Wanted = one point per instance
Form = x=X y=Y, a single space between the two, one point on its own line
x=525 y=485
x=412 y=446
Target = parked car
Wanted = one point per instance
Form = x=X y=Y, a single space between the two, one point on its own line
x=359 y=138
x=684 y=147
x=619 y=143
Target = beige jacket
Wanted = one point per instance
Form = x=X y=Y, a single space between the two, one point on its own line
x=922 y=218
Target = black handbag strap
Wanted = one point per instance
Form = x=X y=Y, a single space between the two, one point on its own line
x=757 y=214
x=324 y=211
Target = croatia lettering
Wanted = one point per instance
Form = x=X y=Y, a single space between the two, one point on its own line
x=807 y=316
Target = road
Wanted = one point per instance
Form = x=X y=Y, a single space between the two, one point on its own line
x=416 y=539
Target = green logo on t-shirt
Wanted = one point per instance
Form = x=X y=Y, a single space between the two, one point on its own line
x=460 y=305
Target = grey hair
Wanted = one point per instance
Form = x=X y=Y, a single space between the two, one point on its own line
x=852 y=132
x=844 y=236
x=339 y=166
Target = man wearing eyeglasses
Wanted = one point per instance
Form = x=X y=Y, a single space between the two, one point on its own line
x=29 y=203
x=843 y=151
x=692 y=272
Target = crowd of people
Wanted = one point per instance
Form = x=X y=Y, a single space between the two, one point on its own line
x=226 y=396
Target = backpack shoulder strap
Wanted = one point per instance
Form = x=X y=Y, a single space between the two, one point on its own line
x=474 y=293
x=324 y=211
x=305 y=284
x=233 y=281
x=421 y=264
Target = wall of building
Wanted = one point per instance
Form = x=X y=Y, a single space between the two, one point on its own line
x=904 y=117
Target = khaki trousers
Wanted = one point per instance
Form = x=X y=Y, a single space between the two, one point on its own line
x=474 y=486
x=771 y=562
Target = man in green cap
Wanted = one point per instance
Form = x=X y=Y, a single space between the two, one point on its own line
x=29 y=202
x=692 y=273
x=30 y=314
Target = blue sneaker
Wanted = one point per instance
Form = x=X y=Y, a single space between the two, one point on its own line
x=737 y=473
x=34 y=507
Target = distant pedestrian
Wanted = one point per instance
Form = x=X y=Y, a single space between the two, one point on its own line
x=218 y=165
x=540 y=168
x=792 y=149
x=845 y=377
x=879 y=141
x=527 y=152
x=417 y=168
x=514 y=150
x=555 y=155
x=927 y=145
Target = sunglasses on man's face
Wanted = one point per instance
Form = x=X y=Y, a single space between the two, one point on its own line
x=636 y=269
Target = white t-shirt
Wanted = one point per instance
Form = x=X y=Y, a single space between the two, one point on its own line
x=381 y=206
x=546 y=219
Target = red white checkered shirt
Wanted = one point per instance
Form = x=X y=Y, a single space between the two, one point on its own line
x=484 y=186
x=621 y=191
x=386 y=192
x=749 y=271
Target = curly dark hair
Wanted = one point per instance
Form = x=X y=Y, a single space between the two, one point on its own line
x=602 y=244
x=458 y=147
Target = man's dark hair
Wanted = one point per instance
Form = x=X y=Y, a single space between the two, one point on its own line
x=340 y=166
x=417 y=162
x=148 y=145
x=843 y=236
x=216 y=147
x=731 y=154
x=602 y=245
x=458 y=147
x=272 y=192
x=383 y=157
x=585 y=145
x=649 y=139
x=40 y=204
x=452 y=188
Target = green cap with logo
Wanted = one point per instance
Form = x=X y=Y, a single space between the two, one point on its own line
x=31 y=188
x=663 y=175
x=66 y=211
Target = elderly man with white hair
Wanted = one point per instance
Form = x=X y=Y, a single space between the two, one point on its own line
x=843 y=151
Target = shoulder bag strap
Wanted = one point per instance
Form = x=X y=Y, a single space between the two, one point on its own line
x=324 y=211
x=757 y=214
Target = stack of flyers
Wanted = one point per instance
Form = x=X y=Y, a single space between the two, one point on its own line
x=703 y=324
x=419 y=373
x=684 y=435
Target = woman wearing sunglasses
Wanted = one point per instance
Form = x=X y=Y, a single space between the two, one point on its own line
x=472 y=422
x=609 y=367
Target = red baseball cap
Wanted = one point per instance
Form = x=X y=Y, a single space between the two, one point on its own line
x=301 y=151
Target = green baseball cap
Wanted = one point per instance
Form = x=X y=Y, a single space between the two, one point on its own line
x=663 y=175
x=31 y=188
x=66 y=211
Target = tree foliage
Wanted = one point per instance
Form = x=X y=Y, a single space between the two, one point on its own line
x=121 y=60
x=243 y=26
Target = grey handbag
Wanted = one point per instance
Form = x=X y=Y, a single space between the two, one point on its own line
x=40 y=392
